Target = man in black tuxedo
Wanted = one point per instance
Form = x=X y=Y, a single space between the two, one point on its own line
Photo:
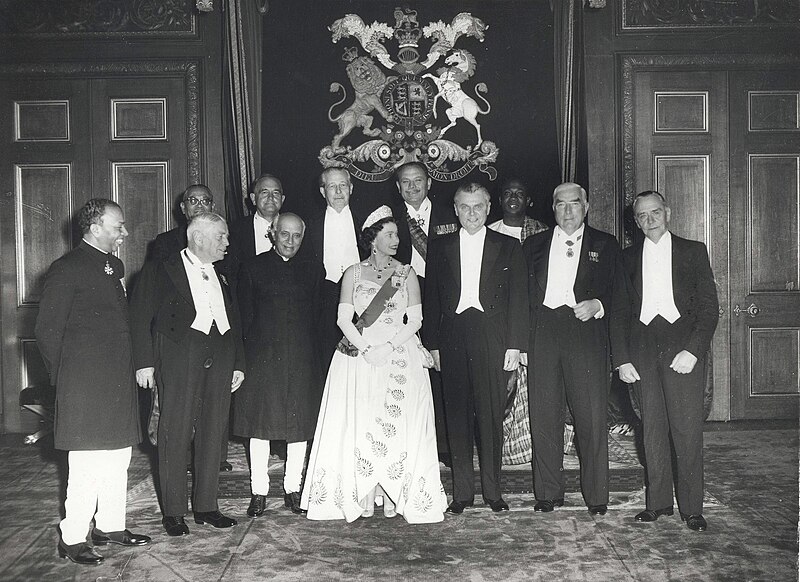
x=673 y=318
x=252 y=235
x=332 y=239
x=420 y=220
x=195 y=200
x=577 y=291
x=477 y=313
x=84 y=337
x=187 y=336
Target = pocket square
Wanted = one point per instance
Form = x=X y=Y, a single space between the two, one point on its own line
x=594 y=256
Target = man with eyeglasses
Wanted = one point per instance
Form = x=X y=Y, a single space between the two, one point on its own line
x=196 y=199
x=253 y=235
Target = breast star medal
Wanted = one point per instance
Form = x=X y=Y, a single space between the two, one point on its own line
x=108 y=269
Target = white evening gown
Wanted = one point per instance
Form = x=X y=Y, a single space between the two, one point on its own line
x=376 y=427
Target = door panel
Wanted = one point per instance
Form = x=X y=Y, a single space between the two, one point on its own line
x=681 y=151
x=765 y=242
x=67 y=140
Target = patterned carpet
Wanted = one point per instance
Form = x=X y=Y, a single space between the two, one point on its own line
x=625 y=474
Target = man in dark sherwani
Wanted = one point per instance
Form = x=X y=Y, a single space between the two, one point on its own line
x=187 y=337
x=82 y=332
x=280 y=301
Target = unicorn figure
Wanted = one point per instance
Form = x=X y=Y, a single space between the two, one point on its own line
x=448 y=82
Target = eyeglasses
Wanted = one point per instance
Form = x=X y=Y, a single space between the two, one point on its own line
x=194 y=201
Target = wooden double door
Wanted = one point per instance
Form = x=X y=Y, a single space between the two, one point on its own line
x=68 y=136
x=723 y=145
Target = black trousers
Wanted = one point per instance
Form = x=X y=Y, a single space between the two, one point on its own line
x=569 y=363
x=438 y=396
x=672 y=410
x=194 y=381
x=474 y=386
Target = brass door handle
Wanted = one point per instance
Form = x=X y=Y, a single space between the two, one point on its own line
x=752 y=311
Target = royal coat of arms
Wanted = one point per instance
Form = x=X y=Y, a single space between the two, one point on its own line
x=397 y=104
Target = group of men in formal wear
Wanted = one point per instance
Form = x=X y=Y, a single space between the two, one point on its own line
x=253 y=309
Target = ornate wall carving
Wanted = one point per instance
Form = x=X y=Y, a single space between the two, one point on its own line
x=667 y=14
x=188 y=69
x=97 y=18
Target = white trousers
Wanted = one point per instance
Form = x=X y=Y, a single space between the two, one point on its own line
x=259 y=461
x=97 y=486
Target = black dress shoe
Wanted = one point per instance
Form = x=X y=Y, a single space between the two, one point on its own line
x=497 y=505
x=257 y=505
x=457 y=507
x=81 y=553
x=292 y=501
x=175 y=525
x=598 y=509
x=695 y=522
x=122 y=538
x=214 y=518
x=649 y=515
x=225 y=467
x=545 y=505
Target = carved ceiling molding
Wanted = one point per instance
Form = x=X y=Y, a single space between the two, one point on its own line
x=97 y=18
x=188 y=69
x=681 y=14
x=631 y=64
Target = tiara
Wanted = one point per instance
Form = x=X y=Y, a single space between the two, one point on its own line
x=379 y=213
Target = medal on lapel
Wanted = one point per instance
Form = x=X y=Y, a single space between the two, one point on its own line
x=108 y=269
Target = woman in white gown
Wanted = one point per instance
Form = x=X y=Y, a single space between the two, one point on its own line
x=375 y=431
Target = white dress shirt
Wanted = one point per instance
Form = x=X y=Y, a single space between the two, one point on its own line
x=339 y=247
x=261 y=227
x=657 y=295
x=471 y=252
x=209 y=305
x=424 y=213
x=562 y=268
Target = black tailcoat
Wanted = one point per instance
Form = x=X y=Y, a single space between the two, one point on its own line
x=193 y=371
x=570 y=358
x=243 y=239
x=671 y=404
x=83 y=334
x=472 y=348
x=280 y=303
x=313 y=243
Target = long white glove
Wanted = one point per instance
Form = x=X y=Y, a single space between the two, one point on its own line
x=412 y=325
x=344 y=320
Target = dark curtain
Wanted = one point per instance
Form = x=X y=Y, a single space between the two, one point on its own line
x=515 y=62
x=568 y=65
x=241 y=100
